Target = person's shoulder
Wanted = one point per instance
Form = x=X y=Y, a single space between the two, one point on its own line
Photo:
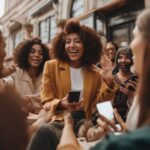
x=135 y=140
x=52 y=62
x=18 y=72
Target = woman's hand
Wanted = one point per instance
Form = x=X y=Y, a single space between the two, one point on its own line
x=110 y=125
x=84 y=128
x=75 y=106
x=104 y=126
x=8 y=71
x=120 y=121
x=28 y=105
x=95 y=133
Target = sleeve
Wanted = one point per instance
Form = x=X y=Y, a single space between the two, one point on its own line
x=107 y=93
x=47 y=92
x=9 y=81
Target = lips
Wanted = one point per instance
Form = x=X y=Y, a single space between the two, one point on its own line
x=36 y=61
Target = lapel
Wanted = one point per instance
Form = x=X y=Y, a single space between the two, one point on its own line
x=65 y=77
x=27 y=80
x=25 y=76
x=87 y=87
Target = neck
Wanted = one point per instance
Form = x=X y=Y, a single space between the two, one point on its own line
x=123 y=75
x=75 y=64
x=33 y=72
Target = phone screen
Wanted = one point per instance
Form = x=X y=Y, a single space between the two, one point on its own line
x=106 y=109
x=74 y=96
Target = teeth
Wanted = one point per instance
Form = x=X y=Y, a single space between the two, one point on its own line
x=73 y=51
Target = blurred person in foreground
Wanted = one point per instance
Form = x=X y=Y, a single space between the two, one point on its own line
x=140 y=138
x=13 y=125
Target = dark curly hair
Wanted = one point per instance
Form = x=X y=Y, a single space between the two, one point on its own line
x=91 y=42
x=21 y=53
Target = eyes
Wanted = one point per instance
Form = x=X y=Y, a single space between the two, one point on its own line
x=125 y=57
x=33 y=51
x=75 y=41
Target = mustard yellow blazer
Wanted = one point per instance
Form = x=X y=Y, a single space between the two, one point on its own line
x=56 y=84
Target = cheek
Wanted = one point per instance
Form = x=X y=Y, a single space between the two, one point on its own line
x=138 y=47
x=41 y=57
x=128 y=61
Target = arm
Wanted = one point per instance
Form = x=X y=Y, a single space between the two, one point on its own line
x=47 y=93
x=68 y=139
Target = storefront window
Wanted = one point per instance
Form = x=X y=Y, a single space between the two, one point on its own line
x=88 y=21
x=53 y=27
x=120 y=36
x=18 y=37
x=44 y=30
x=77 y=8
x=47 y=29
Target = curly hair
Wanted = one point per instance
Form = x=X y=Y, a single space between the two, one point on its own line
x=21 y=53
x=91 y=42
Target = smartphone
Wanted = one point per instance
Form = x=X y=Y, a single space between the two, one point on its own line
x=74 y=96
x=134 y=77
x=106 y=109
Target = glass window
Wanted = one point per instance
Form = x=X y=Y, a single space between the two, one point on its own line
x=77 y=8
x=120 y=36
x=18 y=37
x=88 y=21
x=44 y=30
x=47 y=29
x=53 y=27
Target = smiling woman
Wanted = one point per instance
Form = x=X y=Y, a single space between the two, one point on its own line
x=72 y=70
x=30 y=57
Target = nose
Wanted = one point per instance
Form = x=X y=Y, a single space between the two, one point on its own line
x=123 y=60
x=37 y=53
x=72 y=44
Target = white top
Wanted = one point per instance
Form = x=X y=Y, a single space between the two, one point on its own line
x=132 y=117
x=76 y=80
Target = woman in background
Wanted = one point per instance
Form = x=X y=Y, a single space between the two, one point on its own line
x=30 y=57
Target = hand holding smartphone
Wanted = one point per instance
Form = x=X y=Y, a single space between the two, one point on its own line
x=74 y=96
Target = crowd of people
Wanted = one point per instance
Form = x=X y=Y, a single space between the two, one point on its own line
x=76 y=61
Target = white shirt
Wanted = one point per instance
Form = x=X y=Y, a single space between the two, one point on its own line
x=76 y=80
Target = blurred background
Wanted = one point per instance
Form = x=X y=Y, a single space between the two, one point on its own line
x=113 y=19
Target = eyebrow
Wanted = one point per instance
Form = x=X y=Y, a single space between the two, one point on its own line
x=36 y=49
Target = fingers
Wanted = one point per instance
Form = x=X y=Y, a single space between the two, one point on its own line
x=120 y=121
x=95 y=133
x=13 y=67
x=46 y=106
x=65 y=98
x=106 y=124
x=49 y=116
